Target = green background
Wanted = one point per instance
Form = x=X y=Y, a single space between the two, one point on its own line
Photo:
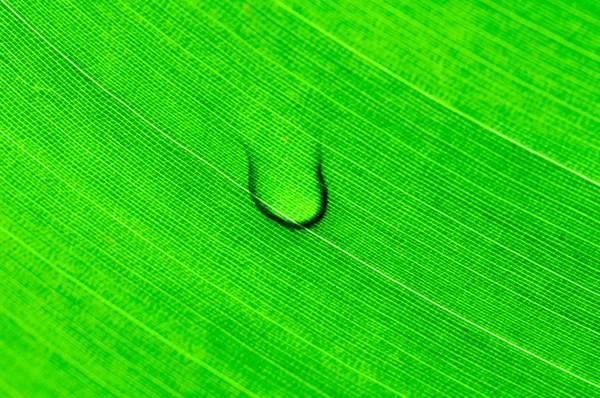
x=459 y=252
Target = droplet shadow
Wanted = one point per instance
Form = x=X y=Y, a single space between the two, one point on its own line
x=287 y=222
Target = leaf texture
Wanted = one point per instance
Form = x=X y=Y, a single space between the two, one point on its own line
x=459 y=252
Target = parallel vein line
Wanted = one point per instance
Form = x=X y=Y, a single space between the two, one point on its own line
x=400 y=284
x=430 y=96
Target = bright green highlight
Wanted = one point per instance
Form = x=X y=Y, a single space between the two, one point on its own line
x=459 y=253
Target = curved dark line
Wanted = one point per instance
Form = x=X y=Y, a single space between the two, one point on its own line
x=324 y=197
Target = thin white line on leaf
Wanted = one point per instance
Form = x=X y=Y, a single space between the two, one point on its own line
x=376 y=176
x=172 y=257
x=430 y=96
x=177 y=143
x=91 y=154
x=227 y=248
x=549 y=270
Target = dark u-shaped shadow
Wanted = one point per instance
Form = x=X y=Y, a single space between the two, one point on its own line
x=323 y=196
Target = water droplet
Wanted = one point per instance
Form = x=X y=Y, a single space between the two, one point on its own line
x=288 y=187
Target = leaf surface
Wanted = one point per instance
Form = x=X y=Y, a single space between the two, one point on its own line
x=458 y=255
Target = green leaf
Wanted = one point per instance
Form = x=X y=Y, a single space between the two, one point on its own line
x=450 y=248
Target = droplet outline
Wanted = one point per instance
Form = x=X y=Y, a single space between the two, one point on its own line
x=323 y=196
